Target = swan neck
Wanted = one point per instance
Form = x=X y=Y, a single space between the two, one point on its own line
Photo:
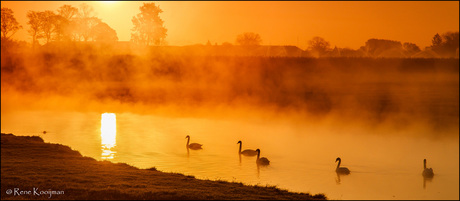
x=338 y=165
x=188 y=141
x=258 y=155
x=240 y=147
x=424 y=164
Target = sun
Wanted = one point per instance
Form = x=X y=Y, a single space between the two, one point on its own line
x=108 y=128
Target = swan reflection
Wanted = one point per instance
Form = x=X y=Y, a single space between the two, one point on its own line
x=426 y=179
x=108 y=135
x=337 y=180
x=427 y=174
x=239 y=156
x=188 y=152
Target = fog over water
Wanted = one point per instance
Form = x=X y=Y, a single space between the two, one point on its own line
x=381 y=115
x=376 y=92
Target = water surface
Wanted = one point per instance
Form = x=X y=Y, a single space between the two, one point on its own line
x=383 y=165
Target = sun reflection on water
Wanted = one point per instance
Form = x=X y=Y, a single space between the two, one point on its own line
x=108 y=135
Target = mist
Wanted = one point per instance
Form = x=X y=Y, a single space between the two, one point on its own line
x=390 y=94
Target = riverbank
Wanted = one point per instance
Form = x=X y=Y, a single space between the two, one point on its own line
x=33 y=169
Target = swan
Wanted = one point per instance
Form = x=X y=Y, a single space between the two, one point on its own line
x=193 y=145
x=246 y=152
x=341 y=170
x=263 y=160
x=427 y=172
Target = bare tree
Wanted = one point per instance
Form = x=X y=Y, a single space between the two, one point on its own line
x=35 y=24
x=9 y=24
x=63 y=22
x=68 y=12
x=248 y=39
x=42 y=25
x=148 y=26
x=47 y=19
x=83 y=23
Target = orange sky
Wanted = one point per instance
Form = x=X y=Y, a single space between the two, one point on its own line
x=343 y=24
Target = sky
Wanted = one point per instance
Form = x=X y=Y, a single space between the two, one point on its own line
x=343 y=23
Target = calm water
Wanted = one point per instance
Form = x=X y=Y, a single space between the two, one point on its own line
x=302 y=154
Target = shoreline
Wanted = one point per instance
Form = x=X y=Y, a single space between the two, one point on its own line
x=33 y=169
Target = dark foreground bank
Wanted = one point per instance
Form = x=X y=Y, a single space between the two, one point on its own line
x=33 y=169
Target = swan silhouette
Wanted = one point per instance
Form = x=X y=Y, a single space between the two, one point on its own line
x=246 y=152
x=427 y=172
x=193 y=145
x=341 y=170
x=263 y=160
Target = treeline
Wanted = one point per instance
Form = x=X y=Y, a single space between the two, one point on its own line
x=69 y=24
x=66 y=24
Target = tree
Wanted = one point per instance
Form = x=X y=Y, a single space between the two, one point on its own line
x=148 y=26
x=84 y=23
x=383 y=47
x=446 y=45
x=47 y=24
x=450 y=42
x=34 y=23
x=68 y=12
x=9 y=24
x=437 y=40
x=42 y=25
x=64 y=18
x=319 y=46
x=411 y=48
x=248 y=39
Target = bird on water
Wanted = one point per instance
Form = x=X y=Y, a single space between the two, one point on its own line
x=341 y=170
x=246 y=152
x=427 y=172
x=263 y=160
x=192 y=145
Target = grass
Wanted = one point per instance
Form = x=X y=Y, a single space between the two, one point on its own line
x=29 y=162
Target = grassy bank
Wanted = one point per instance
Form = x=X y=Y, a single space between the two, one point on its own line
x=33 y=169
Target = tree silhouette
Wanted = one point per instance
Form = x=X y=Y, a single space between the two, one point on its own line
x=248 y=39
x=436 y=41
x=47 y=24
x=411 y=48
x=450 y=43
x=34 y=23
x=9 y=24
x=383 y=47
x=64 y=19
x=42 y=25
x=319 y=46
x=84 y=23
x=446 y=45
x=68 y=12
x=148 y=26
